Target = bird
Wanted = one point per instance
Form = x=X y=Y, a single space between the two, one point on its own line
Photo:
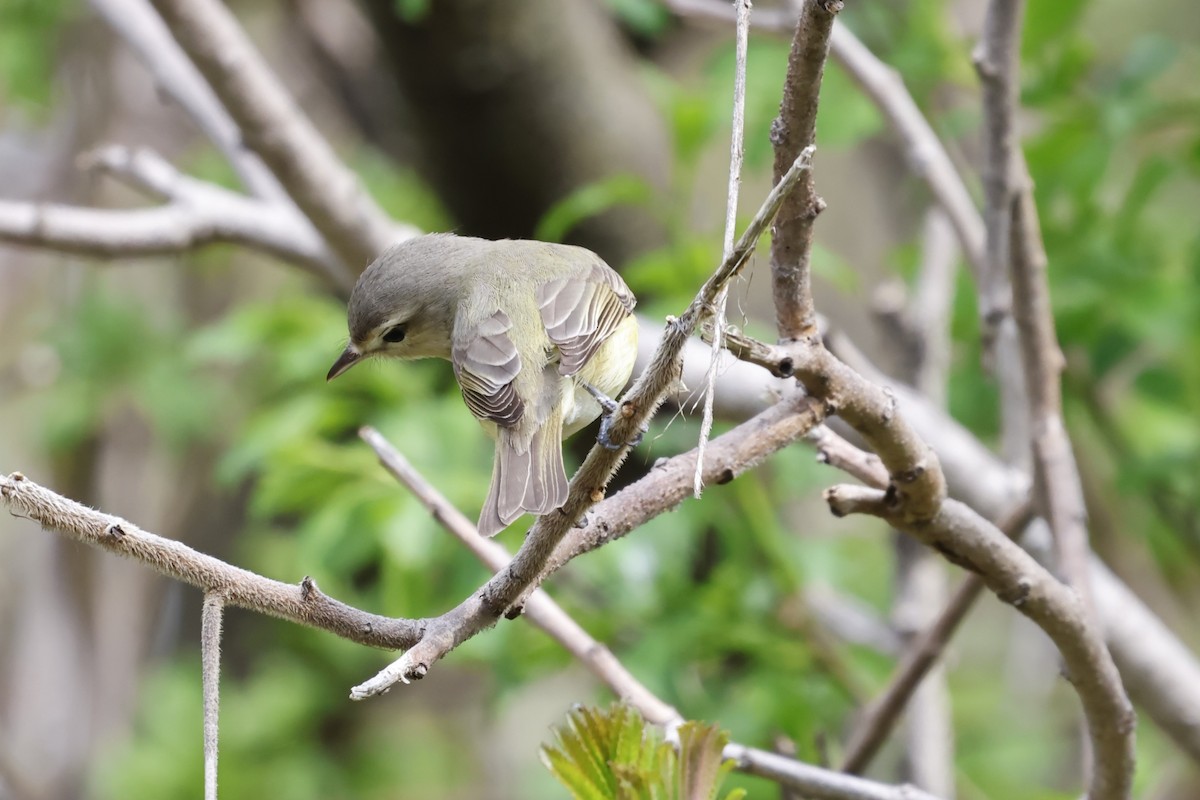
x=540 y=336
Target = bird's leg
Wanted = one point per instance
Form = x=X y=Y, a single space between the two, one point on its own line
x=608 y=418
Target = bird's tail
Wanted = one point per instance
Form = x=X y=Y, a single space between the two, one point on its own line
x=527 y=479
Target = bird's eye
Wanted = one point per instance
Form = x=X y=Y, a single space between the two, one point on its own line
x=394 y=334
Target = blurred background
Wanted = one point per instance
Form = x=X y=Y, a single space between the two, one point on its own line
x=187 y=393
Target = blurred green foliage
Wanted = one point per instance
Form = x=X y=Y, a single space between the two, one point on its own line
x=699 y=603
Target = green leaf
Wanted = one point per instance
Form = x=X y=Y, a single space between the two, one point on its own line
x=614 y=754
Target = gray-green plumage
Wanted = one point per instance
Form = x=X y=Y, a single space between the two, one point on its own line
x=524 y=324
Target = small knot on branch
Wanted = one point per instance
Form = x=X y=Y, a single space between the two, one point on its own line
x=114 y=530
x=308 y=588
x=1019 y=594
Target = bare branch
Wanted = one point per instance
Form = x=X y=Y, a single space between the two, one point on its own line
x=1056 y=475
x=498 y=595
x=273 y=126
x=210 y=660
x=666 y=486
x=197 y=213
x=143 y=32
x=793 y=131
x=543 y=612
x=540 y=608
x=996 y=62
x=844 y=787
x=927 y=156
x=1013 y=575
x=303 y=603
x=1160 y=672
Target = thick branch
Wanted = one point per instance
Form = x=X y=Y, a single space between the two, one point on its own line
x=329 y=194
x=1160 y=672
x=794 y=130
x=303 y=603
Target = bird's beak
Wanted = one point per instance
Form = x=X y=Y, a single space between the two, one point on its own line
x=349 y=357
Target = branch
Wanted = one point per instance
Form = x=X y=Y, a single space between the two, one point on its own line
x=831 y=786
x=927 y=156
x=1017 y=579
x=1160 y=672
x=303 y=603
x=143 y=32
x=1056 y=475
x=328 y=193
x=498 y=596
x=1015 y=249
x=197 y=213
x=793 y=131
x=540 y=609
x=996 y=61
x=543 y=612
x=733 y=453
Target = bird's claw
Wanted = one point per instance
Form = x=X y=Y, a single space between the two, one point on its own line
x=608 y=420
x=604 y=437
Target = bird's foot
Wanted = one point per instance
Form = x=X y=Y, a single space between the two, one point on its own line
x=609 y=418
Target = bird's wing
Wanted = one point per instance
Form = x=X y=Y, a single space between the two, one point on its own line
x=486 y=362
x=580 y=312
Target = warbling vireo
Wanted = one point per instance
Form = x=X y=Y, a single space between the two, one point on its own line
x=539 y=335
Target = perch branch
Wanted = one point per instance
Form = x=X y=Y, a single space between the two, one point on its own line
x=543 y=612
x=485 y=606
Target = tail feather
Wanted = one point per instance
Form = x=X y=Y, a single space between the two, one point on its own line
x=529 y=480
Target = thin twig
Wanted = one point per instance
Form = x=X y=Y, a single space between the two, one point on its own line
x=737 y=149
x=210 y=661
x=498 y=595
x=996 y=61
x=1056 y=475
